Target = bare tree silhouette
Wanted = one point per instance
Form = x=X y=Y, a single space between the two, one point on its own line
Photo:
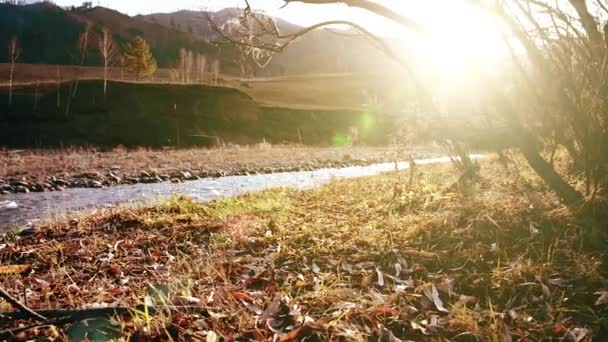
x=14 y=51
x=107 y=49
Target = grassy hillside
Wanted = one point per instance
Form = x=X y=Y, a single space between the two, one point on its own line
x=156 y=111
x=46 y=33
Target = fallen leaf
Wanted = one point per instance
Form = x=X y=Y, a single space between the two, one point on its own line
x=212 y=337
x=14 y=269
x=432 y=294
x=420 y=253
x=188 y=300
x=380 y=277
x=296 y=334
x=578 y=334
x=603 y=299
x=241 y=296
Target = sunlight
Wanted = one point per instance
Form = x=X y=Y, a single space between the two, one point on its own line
x=461 y=40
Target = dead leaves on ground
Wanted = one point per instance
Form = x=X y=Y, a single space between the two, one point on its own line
x=350 y=261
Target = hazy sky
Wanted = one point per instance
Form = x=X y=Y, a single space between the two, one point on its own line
x=425 y=11
x=296 y=13
x=462 y=31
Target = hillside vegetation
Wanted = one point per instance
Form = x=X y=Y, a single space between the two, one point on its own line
x=49 y=116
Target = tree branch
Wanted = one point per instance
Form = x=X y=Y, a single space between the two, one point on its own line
x=17 y=304
x=372 y=7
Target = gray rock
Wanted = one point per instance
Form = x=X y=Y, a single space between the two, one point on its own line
x=132 y=180
x=114 y=177
x=95 y=184
x=90 y=175
x=20 y=183
x=22 y=189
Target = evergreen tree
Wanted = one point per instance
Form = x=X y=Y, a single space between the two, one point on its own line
x=138 y=58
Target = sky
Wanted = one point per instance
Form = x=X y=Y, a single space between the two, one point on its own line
x=296 y=13
x=426 y=11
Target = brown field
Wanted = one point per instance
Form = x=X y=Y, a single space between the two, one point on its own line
x=344 y=91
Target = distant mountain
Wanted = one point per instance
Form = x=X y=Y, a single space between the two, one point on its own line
x=322 y=51
x=196 y=23
x=49 y=35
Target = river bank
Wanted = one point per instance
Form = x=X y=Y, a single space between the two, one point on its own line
x=400 y=256
x=53 y=170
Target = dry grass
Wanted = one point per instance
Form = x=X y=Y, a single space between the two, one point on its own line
x=341 y=91
x=358 y=260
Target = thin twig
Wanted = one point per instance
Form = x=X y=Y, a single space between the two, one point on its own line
x=17 y=304
x=80 y=314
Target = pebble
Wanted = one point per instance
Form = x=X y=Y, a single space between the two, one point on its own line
x=22 y=189
x=95 y=184
x=98 y=180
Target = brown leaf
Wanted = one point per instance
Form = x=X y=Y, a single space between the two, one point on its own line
x=419 y=253
x=603 y=297
x=297 y=334
x=241 y=296
x=14 y=269
x=432 y=294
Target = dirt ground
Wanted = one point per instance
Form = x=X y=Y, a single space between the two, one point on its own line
x=41 y=170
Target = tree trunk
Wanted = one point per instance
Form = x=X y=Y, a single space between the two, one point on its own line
x=10 y=83
x=554 y=180
x=588 y=21
x=105 y=79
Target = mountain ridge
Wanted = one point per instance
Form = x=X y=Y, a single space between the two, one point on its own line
x=49 y=35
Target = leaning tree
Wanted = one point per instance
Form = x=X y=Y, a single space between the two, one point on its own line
x=552 y=94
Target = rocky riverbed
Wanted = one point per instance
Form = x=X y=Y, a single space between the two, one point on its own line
x=40 y=171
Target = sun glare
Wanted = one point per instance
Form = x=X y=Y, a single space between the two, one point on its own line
x=461 y=39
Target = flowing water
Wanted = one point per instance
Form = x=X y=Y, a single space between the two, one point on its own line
x=31 y=208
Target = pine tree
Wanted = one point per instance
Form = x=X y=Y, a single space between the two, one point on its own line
x=138 y=58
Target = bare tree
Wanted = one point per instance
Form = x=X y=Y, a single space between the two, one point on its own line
x=83 y=42
x=215 y=71
x=83 y=47
x=14 y=51
x=186 y=65
x=182 y=64
x=107 y=51
x=201 y=66
x=189 y=65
